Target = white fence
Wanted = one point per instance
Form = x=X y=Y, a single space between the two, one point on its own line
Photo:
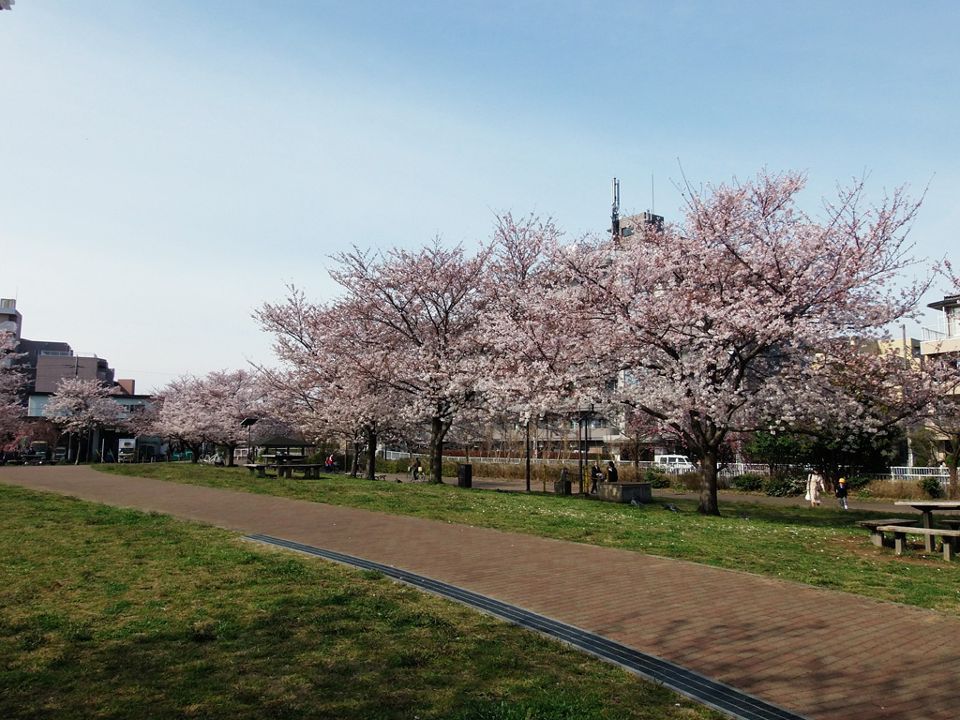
x=727 y=470
x=915 y=473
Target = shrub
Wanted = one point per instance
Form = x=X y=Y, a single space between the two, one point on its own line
x=748 y=482
x=857 y=482
x=784 y=485
x=687 y=481
x=890 y=489
x=932 y=486
x=656 y=478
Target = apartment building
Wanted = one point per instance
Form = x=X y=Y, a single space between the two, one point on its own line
x=47 y=362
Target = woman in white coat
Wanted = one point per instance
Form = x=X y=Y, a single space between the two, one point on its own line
x=814 y=488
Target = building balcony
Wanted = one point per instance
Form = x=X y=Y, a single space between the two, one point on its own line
x=938 y=346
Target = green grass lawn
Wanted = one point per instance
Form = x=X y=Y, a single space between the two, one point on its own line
x=110 y=613
x=821 y=547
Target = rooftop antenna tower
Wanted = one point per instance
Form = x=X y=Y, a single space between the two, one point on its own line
x=615 y=212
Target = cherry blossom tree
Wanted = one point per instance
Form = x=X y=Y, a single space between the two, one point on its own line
x=532 y=352
x=862 y=398
x=422 y=336
x=328 y=382
x=195 y=411
x=534 y=363
x=226 y=398
x=180 y=415
x=81 y=407
x=714 y=323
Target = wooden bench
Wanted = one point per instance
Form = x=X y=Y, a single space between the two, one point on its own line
x=948 y=537
x=877 y=537
x=951 y=522
x=258 y=469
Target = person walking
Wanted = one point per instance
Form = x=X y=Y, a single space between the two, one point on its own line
x=814 y=488
x=841 y=493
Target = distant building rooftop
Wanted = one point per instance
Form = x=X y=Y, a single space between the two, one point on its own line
x=948 y=301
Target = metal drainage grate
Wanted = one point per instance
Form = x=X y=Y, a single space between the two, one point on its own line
x=686 y=682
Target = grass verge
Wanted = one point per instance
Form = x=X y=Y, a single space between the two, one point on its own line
x=821 y=547
x=110 y=613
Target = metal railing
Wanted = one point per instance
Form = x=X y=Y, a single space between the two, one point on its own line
x=909 y=473
x=727 y=470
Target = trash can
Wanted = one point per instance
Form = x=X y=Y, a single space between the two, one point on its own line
x=465 y=475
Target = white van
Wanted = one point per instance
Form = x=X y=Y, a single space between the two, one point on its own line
x=675 y=464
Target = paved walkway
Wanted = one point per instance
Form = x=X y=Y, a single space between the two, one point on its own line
x=821 y=654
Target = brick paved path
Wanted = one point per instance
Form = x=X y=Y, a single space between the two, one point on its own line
x=818 y=653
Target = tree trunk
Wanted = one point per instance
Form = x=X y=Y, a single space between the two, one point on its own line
x=228 y=455
x=708 y=485
x=438 y=430
x=195 y=449
x=355 y=467
x=371 y=434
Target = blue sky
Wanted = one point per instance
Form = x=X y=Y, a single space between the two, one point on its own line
x=168 y=167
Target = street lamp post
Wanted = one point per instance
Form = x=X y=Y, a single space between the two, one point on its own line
x=580 y=450
x=527 y=445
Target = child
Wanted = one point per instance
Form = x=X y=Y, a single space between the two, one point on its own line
x=842 y=493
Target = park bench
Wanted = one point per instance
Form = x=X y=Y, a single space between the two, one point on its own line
x=877 y=537
x=258 y=469
x=900 y=532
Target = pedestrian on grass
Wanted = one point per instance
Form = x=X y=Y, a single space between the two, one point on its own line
x=841 y=493
x=814 y=488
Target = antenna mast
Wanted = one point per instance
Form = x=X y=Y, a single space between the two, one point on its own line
x=615 y=212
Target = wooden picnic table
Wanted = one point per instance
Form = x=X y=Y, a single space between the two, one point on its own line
x=309 y=470
x=926 y=507
x=286 y=469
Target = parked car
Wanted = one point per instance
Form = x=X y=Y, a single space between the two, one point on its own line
x=673 y=464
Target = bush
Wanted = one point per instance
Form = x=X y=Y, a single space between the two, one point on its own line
x=858 y=482
x=889 y=489
x=931 y=486
x=784 y=485
x=688 y=481
x=748 y=482
x=656 y=478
